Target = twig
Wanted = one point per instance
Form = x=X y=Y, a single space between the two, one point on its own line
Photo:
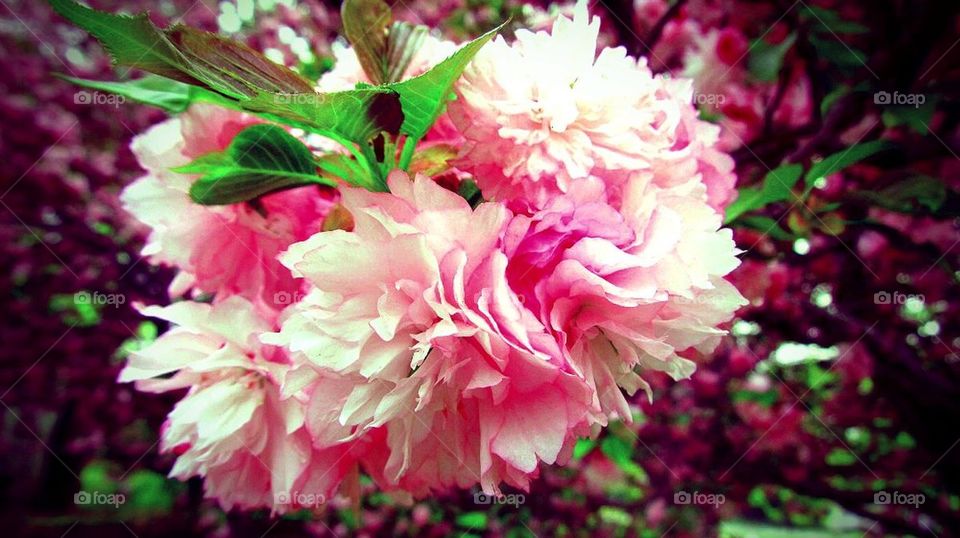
x=657 y=29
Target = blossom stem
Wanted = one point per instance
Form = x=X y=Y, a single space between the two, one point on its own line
x=406 y=155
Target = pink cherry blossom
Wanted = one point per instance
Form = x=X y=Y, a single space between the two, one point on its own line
x=234 y=427
x=226 y=250
x=432 y=344
x=533 y=125
x=410 y=326
x=628 y=288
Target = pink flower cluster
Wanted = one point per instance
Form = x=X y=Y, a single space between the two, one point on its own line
x=427 y=343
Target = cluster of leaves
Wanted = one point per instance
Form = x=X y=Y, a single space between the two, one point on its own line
x=779 y=185
x=379 y=124
x=819 y=36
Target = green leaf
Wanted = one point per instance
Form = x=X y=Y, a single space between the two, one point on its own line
x=225 y=63
x=840 y=457
x=779 y=181
x=354 y=116
x=424 y=97
x=767 y=226
x=766 y=399
x=582 y=448
x=470 y=192
x=261 y=159
x=838 y=52
x=96 y=477
x=776 y=187
x=169 y=95
x=238 y=72
x=766 y=59
x=833 y=97
x=916 y=118
x=365 y=23
x=615 y=516
x=149 y=493
x=472 y=520
x=620 y=452
x=185 y=54
x=843 y=159
x=357 y=115
x=828 y=20
x=131 y=40
x=911 y=195
x=384 y=50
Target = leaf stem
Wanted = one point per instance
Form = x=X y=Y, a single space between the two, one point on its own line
x=380 y=183
x=360 y=156
x=406 y=155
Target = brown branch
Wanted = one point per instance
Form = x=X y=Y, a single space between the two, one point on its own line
x=654 y=36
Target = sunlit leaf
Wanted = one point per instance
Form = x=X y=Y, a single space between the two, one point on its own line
x=583 y=447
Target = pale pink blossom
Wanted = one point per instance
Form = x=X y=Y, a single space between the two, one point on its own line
x=480 y=344
x=625 y=289
x=431 y=344
x=233 y=426
x=547 y=110
x=410 y=328
x=225 y=250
